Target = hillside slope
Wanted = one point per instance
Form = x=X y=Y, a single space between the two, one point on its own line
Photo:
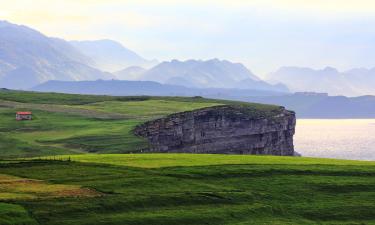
x=28 y=58
x=65 y=124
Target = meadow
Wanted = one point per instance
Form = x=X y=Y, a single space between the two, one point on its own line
x=76 y=124
x=192 y=190
x=62 y=124
x=57 y=170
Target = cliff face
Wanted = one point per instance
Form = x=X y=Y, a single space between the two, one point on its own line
x=222 y=129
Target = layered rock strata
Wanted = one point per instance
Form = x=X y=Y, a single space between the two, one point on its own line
x=223 y=129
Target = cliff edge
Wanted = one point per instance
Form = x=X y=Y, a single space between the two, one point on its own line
x=225 y=129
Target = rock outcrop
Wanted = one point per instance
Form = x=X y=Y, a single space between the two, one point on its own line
x=223 y=129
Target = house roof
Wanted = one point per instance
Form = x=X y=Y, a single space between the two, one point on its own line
x=24 y=113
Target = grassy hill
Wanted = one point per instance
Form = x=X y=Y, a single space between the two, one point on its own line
x=67 y=124
x=157 y=189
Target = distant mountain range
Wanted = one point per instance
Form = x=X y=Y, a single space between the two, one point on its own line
x=123 y=88
x=306 y=105
x=28 y=58
x=314 y=105
x=353 y=82
x=212 y=73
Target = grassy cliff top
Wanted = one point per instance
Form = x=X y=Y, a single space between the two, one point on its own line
x=69 y=123
x=76 y=99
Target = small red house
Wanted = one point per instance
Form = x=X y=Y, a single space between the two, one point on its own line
x=24 y=116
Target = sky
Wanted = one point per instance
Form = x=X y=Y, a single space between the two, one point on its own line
x=262 y=34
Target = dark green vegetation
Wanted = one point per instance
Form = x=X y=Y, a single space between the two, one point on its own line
x=298 y=191
x=158 y=189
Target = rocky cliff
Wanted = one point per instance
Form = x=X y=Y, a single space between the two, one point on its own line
x=223 y=129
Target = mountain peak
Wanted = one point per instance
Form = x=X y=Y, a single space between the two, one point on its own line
x=329 y=69
x=215 y=60
x=28 y=58
x=212 y=73
x=4 y=22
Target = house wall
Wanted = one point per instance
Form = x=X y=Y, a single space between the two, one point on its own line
x=23 y=117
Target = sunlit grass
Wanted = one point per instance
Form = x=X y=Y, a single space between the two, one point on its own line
x=175 y=160
x=168 y=189
x=53 y=133
x=16 y=188
x=146 y=109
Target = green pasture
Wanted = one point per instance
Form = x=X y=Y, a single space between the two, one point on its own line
x=159 y=160
x=50 y=174
x=63 y=125
x=76 y=124
x=201 y=189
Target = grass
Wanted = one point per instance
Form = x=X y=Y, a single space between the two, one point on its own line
x=17 y=188
x=55 y=133
x=185 y=160
x=12 y=214
x=158 y=189
x=146 y=110
x=215 y=189
x=76 y=124
x=58 y=98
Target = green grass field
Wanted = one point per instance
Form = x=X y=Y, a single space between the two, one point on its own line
x=159 y=160
x=201 y=189
x=63 y=125
x=47 y=176
x=74 y=124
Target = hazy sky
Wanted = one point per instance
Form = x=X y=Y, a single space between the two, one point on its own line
x=264 y=34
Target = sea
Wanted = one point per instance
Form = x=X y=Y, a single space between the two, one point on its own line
x=336 y=138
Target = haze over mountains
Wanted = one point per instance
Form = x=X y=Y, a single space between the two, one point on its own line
x=28 y=58
x=213 y=73
x=306 y=105
x=130 y=73
x=315 y=105
x=133 y=88
x=111 y=56
x=354 y=82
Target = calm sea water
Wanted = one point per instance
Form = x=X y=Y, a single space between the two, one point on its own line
x=331 y=138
